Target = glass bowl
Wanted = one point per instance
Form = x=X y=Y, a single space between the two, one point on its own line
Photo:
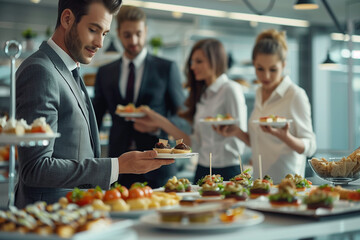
x=336 y=178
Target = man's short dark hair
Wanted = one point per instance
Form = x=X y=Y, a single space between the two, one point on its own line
x=81 y=7
x=130 y=13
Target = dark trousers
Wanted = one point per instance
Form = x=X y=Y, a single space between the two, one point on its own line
x=226 y=172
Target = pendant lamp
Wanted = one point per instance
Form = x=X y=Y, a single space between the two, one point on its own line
x=305 y=5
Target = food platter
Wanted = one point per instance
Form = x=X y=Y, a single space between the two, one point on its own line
x=220 y=122
x=29 y=139
x=175 y=155
x=111 y=231
x=132 y=114
x=273 y=124
x=248 y=218
x=340 y=207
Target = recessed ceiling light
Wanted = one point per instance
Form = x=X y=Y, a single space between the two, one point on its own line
x=35 y=1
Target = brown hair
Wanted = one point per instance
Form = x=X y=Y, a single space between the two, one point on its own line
x=130 y=13
x=214 y=51
x=81 y=7
x=271 y=42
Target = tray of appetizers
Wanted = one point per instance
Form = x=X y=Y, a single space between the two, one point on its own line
x=27 y=139
x=206 y=217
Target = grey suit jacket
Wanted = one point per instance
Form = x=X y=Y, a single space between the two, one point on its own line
x=46 y=88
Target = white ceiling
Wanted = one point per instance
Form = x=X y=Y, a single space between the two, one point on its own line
x=282 y=8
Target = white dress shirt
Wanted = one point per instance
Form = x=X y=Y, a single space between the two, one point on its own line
x=139 y=63
x=290 y=101
x=71 y=65
x=221 y=97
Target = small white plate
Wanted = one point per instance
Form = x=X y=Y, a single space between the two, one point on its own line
x=222 y=122
x=273 y=124
x=175 y=155
x=132 y=114
x=248 y=218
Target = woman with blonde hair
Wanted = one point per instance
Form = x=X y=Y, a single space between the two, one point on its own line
x=283 y=150
x=211 y=93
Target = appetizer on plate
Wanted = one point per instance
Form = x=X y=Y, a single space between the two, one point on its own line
x=216 y=178
x=272 y=118
x=211 y=189
x=20 y=127
x=319 y=199
x=163 y=146
x=181 y=147
x=243 y=178
x=286 y=195
x=268 y=179
x=235 y=190
x=300 y=182
x=259 y=188
x=178 y=185
x=219 y=117
x=130 y=108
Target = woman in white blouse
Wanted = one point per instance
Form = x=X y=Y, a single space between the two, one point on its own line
x=211 y=93
x=282 y=150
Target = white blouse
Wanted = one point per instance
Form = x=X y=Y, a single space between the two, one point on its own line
x=290 y=101
x=221 y=97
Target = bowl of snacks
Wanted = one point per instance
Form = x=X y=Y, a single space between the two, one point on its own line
x=337 y=170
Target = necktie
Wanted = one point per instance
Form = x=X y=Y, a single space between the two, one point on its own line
x=76 y=75
x=129 y=97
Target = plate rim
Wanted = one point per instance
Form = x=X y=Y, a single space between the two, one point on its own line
x=133 y=114
x=175 y=155
x=203 y=227
x=222 y=122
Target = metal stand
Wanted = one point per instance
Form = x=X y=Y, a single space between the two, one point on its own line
x=13 y=50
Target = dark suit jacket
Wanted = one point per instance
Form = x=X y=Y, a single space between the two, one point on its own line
x=46 y=88
x=160 y=89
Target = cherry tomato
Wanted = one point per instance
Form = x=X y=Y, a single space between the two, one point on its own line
x=136 y=193
x=137 y=185
x=112 y=194
x=69 y=197
x=96 y=193
x=124 y=192
x=147 y=191
x=86 y=199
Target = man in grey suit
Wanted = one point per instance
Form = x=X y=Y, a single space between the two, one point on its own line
x=48 y=85
x=143 y=79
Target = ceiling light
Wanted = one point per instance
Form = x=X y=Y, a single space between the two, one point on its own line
x=305 y=5
x=177 y=14
x=328 y=63
x=346 y=37
x=35 y=1
x=219 y=14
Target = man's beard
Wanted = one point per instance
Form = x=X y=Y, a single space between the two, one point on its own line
x=74 y=45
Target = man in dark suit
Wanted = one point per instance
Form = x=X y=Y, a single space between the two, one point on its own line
x=48 y=85
x=149 y=80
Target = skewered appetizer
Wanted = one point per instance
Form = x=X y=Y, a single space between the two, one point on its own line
x=216 y=178
x=162 y=146
x=260 y=188
x=300 y=182
x=235 y=190
x=178 y=185
x=211 y=189
x=243 y=178
x=286 y=195
x=181 y=147
x=319 y=199
x=268 y=179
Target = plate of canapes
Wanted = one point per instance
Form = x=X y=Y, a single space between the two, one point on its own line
x=273 y=121
x=182 y=187
x=181 y=150
x=130 y=111
x=19 y=132
x=220 y=119
x=208 y=216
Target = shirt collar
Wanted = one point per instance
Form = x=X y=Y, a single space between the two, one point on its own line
x=283 y=86
x=218 y=83
x=69 y=62
x=138 y=60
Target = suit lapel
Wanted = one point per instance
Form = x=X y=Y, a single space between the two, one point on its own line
x=68 y=78
x=145 y=78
